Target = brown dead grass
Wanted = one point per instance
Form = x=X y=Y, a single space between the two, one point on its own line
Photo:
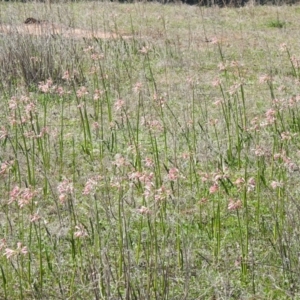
x=48 y=29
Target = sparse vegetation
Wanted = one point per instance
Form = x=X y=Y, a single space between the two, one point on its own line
x=163 y=165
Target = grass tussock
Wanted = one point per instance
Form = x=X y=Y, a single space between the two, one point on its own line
x=160 y=166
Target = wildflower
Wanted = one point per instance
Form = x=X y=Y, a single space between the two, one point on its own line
x=9 y=253
x=173 y=174
x=214 y=188
x=216 y=82
x=251 y=184
x=221 y=66
x=234 y=205
x=34 y=218
x=45 y=86
x=2 y=243
x=162 y=194
x=149 y=162
x=264 y=79
x=276 y=184
x=214 y=40
x=138 y=87
x=91 y=184
x=119 y=161
x=60 y=91
x=144 y=210
x=66 y=76
x=65 y=188
x=283 y=47
x=81 y=92
x=80 y=231
x=285 y=136
x=144 y=50
x=160 y=99
x=97 y=94
x=119 y=104
x=3 y=133
x=240 y=181
x=259 y=151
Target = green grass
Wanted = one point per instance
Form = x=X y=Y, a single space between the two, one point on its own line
x=163 y=166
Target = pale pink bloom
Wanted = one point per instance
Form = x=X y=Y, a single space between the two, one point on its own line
x=173 y=174
x=43 y=132
x=185 y=155
x=29 y=134
x=62 y=198
x=88 y=49
x=235 y=64
x=119 y=161
x=290 y=165
x=5 y=166
x=14 y=194
x=259 y=151
x=97 y=56
x=276 y=184
x=80 y=231
x=222 y=67
x=144 y=210
x=234 y=88
x=251 y=184
x=214 y=188
x=204 y=176
x=65 y=188
x=270 y=116
x=255 y=124
x=13 y=103
x=60 y=90
x=149 y=162
x=218 y=102
x=203 y=200
x=96 y=125
x=81 y=92
x=286 y=136
x=216 y=82
x=264 y=78
x=277 y=156
x=240 y=181
x=25 y=197
x=97 y=94
x=214 y=40
x=154 y=125
x=234 y=205
x=160 y=99
x=3 y=133
x=119 y=104
x=283 y=47
x=162 y=194
x=66 y=75
x=2 y=244
x=9 y=253
x=144 y=50
x=34 y=218
x=138 y=87
x=91 y=185
x=45 y=86
x=81 y=105
x=21 y=249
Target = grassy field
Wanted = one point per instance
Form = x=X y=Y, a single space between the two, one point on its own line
x=149 y=151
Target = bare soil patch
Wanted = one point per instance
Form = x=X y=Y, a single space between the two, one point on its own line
x=47 y=28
